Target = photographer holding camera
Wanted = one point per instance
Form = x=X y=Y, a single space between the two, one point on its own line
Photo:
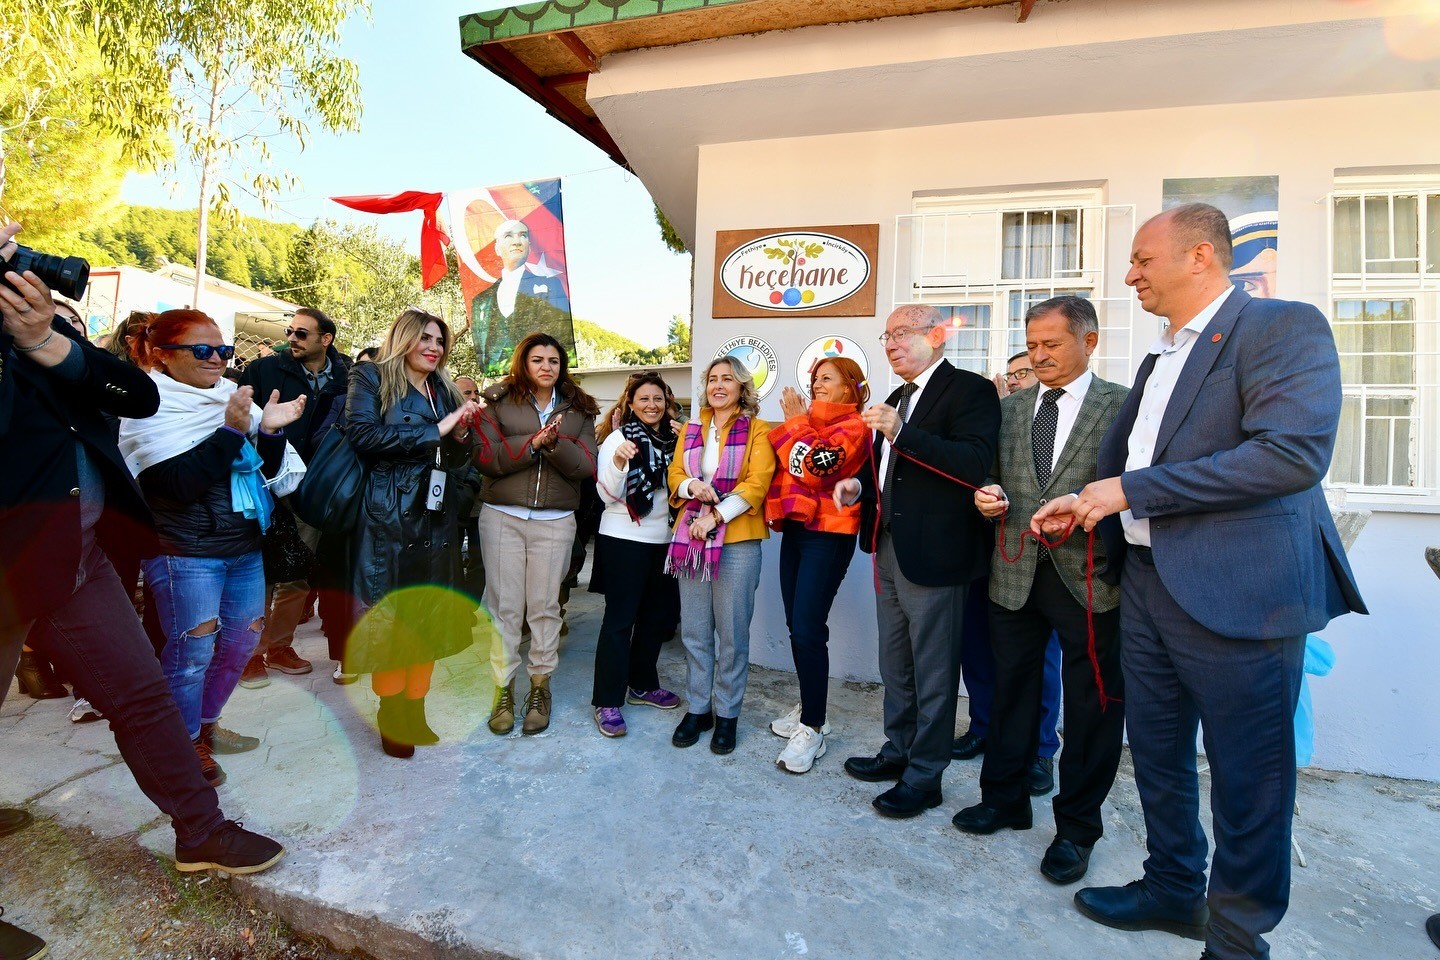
x=67 y=505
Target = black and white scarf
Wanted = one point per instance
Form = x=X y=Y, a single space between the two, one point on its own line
x=650 y=464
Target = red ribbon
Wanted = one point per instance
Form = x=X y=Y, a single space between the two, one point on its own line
x=432 y=239
x=1105 y=699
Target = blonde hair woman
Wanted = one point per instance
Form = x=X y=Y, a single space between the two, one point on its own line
x=408 y=422
x=718 y=480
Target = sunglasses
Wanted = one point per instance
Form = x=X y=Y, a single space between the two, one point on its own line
x=297 y=334
x=202 y=351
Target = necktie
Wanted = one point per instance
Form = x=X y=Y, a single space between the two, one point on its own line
x=1042 y=435
x=903 y=408
x=1042 y=444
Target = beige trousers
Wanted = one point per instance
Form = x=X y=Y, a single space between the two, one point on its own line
x=525 y=560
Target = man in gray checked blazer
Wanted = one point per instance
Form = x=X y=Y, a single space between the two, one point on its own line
x=1049 y=439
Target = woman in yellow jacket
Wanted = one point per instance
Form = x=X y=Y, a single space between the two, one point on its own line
x=718 y=480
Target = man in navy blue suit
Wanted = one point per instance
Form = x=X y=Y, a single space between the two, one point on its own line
x=1210 y=506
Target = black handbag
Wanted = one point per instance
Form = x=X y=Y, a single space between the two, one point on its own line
x=284 y=552
x=329 y=496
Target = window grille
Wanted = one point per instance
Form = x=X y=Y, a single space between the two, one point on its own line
x=984 y=260
x=1385 y=303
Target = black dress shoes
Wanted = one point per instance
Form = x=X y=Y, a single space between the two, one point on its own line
x=694 y=724
x=967 y=747
x=874 y=769
x=903 y=801
x=17 y=944
x=1133 y=907
x=983 y=818
x=722 y=741
x=1041 y=776
x=1065 y=861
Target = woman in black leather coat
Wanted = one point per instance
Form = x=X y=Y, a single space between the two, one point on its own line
x=412 y=428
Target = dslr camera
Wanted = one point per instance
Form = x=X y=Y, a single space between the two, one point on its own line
x=66 y=276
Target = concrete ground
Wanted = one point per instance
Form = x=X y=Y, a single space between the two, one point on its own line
x=567 y=845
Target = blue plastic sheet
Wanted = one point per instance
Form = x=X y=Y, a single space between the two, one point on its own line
x=1319 y=659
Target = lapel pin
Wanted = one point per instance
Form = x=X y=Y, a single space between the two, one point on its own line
x=1216 y=338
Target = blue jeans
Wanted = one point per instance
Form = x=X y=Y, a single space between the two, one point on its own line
x=212 y=610
x=715 y=628
x=812 y=564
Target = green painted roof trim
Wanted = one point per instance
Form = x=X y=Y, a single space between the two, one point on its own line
x=548 y=16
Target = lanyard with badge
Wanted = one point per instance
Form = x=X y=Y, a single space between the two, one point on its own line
x=435 y=493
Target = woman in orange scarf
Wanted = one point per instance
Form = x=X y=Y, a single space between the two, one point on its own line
x=815 y=448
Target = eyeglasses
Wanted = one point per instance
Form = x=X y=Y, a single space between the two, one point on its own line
x=301 y=335
x=901 y=333
x=1022 y=374
x=202 y=351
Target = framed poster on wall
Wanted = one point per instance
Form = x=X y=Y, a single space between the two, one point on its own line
x=799 y=271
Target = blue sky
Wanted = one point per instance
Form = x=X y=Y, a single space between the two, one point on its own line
x=436 y=120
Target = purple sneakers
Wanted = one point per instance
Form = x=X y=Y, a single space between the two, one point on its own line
x=610 y=722
x=659 y=697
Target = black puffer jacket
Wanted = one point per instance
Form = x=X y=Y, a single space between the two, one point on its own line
x=189 y=496
x=398 y=542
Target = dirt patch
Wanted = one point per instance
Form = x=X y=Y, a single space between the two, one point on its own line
x=110 y=899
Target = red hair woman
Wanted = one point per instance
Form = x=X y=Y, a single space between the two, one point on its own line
x=816 y=447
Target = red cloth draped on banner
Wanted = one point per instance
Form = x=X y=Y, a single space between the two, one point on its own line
x=432 y=239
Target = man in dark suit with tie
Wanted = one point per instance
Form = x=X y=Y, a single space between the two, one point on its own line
x=928 y=544
x=1212 y=513
x=1049 y=436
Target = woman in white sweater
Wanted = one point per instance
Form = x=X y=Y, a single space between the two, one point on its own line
x=641 y=601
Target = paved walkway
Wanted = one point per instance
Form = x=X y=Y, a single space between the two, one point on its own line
x=568 y=845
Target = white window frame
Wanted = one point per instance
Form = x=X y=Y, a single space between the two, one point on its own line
x=1422 y=289
x=923 y=236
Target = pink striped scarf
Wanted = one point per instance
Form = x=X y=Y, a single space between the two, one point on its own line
x=700 y=559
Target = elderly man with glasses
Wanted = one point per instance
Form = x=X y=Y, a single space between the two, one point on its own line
x=313 y=367
x=938 y=430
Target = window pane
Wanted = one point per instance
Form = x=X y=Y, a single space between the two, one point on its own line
x=969 y=346
x=1432 y=233
x=1391 y=233
x=1013 y=238
x=1347 y=235
x=1067 y=240
x=1346 y=466
x=1376 y=341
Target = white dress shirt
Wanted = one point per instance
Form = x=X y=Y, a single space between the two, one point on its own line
x=509 y=287
x=1068 y=405
x=1173 y=350
x=920 y=383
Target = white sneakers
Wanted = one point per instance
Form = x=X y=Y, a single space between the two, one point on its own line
x=83 y=712
x=802 y=751
x=789 y=725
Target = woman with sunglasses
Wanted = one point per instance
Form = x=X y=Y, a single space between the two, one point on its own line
x=642 y=604
x=204 y=462
x=819 y=445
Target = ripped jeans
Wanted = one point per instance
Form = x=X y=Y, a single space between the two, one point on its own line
x=212 y=610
